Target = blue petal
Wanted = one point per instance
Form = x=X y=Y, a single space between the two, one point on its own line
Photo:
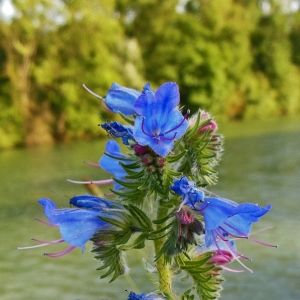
x=194 y=196
x=165 y=99
x=116 y=129
x=215 y=212
x=93 y=202
x=151 y=296
x=112 y=165
x=121 y=99
x=189 y=194
x=244 y=215
x=76 y=226
x=113 y=148
x=162 y=147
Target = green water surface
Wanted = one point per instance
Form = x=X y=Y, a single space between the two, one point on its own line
x=261 y=164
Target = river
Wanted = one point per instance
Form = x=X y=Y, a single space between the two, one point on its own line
x=261 y=164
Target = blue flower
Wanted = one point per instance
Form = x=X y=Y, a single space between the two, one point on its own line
x=121 y=99
x=159 y=122
x=151 y=296
x=225 y=217
x=222 y=217
x=76 y=225
x=190 y=195
x=116 y=129
x=112 y=165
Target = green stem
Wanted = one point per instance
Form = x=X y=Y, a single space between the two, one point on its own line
x=164 y=273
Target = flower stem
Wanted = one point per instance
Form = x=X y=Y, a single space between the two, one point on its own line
x=164 y=273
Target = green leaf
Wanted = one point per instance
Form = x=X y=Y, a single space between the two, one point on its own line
x=140 y=217
x=118 y=157
x=114 y=222
x=138 y=243
x=134 y=175
x=128 y=184
x=205 y=275
x=134 y=165
x=174 y=158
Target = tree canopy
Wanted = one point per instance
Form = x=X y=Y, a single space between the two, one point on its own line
x=232 y=57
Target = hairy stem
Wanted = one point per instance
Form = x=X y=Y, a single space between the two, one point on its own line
x=164 y=273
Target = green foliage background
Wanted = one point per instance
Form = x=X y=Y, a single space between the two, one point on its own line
x=230 y=57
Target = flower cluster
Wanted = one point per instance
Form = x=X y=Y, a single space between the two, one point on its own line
x=160 y=196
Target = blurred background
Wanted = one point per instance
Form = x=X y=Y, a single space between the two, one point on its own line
x=237 y=59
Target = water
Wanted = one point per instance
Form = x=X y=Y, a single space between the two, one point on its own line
x=261 y=165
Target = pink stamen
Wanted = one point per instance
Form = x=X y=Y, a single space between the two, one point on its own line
x=228 y=245
x=46 y=223
x=236 y=257
x=243 y=235
x=232 y=270
x=40 y=245
x=60 y=253
x=97 y=182
x=216 y=241
x=251 y=271
x=260 y=230
x=109 y=194
x=232 y=250
x=235 y=252
x=250 y=238
x=262 y=243
x=49 y=243
x=221 y=236
x=92 y=164
x=234 y=235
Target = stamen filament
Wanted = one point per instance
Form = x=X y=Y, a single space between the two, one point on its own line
x=243 y=235
x=183 y=203
x=262 y=243
x=234 y=235
x=49 y=243
x=40 y=245
x=229 y=246
x=260 y=230
x=248 y=237
x=143 y=129
x=97 y=182
x=170 y=139
x=92 y=164
x=91 y=92
x=232 y=270
x=46 y=223
x=216 y=243
x=94 y=94
x=60 y=253
x=184 y=118
x=236 y=257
